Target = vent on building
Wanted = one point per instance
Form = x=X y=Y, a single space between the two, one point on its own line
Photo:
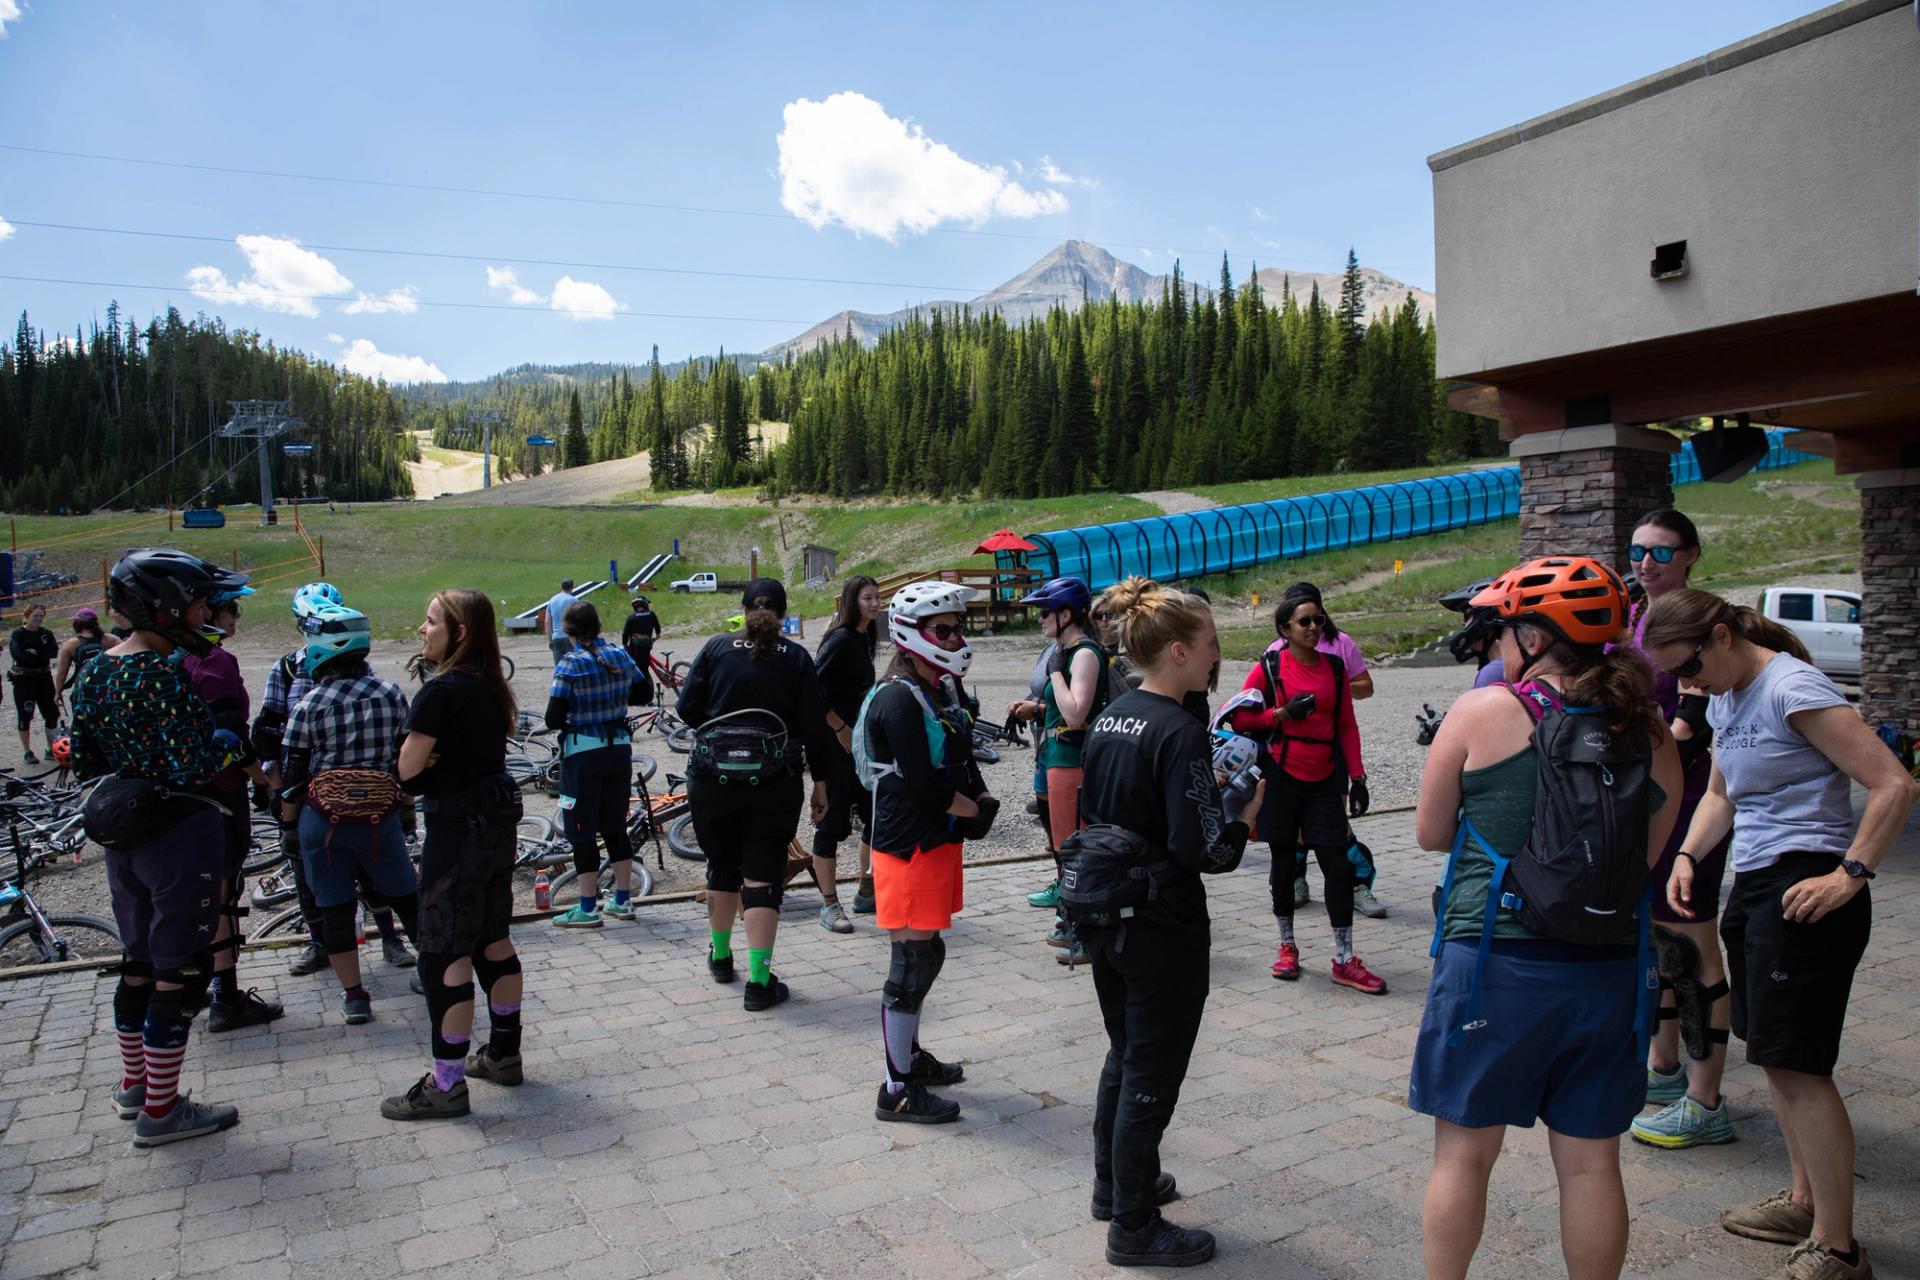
x=1670 y=260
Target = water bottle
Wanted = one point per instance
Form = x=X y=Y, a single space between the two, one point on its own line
x=1236 y=762
x=359 y=925
x=542 y=892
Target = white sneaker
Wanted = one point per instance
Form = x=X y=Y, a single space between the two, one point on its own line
x=833 y=918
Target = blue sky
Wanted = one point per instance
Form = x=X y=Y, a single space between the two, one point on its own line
x=927 y=152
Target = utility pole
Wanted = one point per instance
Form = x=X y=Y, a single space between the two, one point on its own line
x=488 y=419
x=263 y=421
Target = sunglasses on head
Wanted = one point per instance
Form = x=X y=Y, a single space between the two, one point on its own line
x=1311 y=620
x=1691 y=667
x=1661 y=555
x=944 y=630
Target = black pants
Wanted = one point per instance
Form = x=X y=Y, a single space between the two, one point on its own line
x=35 y=689
x=595 y=786
x=1151 y=995
x=846 y=800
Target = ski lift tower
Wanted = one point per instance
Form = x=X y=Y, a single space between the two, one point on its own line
x=488 y=420
x=263 y=421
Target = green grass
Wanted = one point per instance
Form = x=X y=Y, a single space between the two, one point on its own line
x=389 y=557
x=1242 y=491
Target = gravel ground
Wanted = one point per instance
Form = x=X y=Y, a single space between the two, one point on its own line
x=1001 y=668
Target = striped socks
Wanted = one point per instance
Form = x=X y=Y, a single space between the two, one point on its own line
x=133 y=1058
x=165 y=1048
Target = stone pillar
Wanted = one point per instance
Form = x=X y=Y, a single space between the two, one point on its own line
x=1890 y=597
x=1583 y=489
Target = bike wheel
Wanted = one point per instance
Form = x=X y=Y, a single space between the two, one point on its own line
x=262 y=858
x=506 y=667
x=74 y=937
x=534 y=826
x=274 y=888
x=680 y=740
x=683 y=840
x=643 y=768
x=678 y=674
x=642 y=881
x=288 y=923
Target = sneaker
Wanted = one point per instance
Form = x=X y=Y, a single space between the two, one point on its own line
x=415 y=985
x=914 y=1105
x=833 y=918
x=502 y=1069
x=32 y=758
x=620 y=910
x=248 y=1011
x=186 y=1119
x=577 y=917
x=1061 y=935
x=1351 y=973
x=128 y=1102
x=1047 y=899
x=864 y=904
x=1367 y=905
x=1301 y=894
x=1777 y=1220
x=1286 y=963
x=762 y=996
x=929 y=1070
x=1684 y=1123
x=1164 y=1192
x=1036 y=807
x=312 y=959
x=1158 y=1244
x=721 y=969
x=1073 y=954
x=425 y=1101
x=397 y=953
x=1663 y=1088
x=357 y=1009
x=1809 y=1261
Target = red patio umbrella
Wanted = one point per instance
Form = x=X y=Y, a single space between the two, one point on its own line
x=1004 y=540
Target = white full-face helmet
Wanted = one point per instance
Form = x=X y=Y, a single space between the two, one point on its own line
x=912 y=605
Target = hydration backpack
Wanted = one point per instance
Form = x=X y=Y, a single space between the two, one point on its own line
x=869 y=770
x=1581 y=875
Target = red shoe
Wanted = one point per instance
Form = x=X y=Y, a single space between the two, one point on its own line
x=1286 y=966
x=1351 y=973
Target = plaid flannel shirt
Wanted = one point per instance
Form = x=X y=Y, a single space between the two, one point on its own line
x=283 y=695
x=351 y=722
x=595 y=695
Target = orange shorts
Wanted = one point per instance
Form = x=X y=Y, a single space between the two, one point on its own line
x=921 y=892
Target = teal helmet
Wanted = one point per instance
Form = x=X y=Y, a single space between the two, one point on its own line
x=314 y=595
x=333 y=631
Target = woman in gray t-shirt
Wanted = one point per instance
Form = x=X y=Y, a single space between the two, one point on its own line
x=1796 y=922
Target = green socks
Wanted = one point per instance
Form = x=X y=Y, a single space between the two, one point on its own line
x=722 y=943
x=759 y=964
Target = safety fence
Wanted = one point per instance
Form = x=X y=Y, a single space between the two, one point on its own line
x=1196 y=544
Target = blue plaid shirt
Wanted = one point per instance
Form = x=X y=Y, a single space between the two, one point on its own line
x=594 y=681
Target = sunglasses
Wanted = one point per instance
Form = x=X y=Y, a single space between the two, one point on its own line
x=1311 y=621
x=1691 y=667
x=944 y=631
x=1661 y=555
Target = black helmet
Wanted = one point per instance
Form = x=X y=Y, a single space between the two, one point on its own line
x=152 y=587
x=641 y=602
x=1481 y=623
x=1458 y=600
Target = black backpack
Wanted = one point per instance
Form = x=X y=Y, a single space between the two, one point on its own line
x=1581 y=875
x=1270 y=661
x=1106 y=873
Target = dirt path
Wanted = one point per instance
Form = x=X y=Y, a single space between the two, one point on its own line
x=442 y=470
x=1171 y=501
x=596 y=483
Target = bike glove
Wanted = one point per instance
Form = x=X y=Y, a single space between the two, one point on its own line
x=1358 y=800
x=976 y=827
x=1299 y=706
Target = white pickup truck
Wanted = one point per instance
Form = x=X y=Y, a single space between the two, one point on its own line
x=1827 y=622
x=697 y=583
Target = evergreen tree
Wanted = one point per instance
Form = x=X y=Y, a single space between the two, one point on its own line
x=573 y=446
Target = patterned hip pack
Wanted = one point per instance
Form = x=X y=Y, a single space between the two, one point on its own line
x=354 y=795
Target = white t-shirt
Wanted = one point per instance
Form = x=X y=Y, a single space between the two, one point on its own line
x=1787 y=796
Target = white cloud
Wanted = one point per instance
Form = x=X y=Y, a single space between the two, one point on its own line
x=9 y=12
x=1262 y=214
x=362 y=357
x=846 y=160
x=284 y=277
x=6 y=228
x=506 y=280
x=584 y=300
x=1059 y=177
x=400 y=300
x=336 y=339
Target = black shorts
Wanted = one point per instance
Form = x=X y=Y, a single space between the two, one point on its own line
x=1790 y=981
x=744 y=830
x=594 y=788
x=1313 y=812
x=30 y=690
x=466 y=886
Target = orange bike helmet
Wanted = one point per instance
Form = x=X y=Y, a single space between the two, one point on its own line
x=61 y=751
x=1577 y=597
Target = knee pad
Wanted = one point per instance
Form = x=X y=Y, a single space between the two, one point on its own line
x=910 y=975
x=723 y=879
x=490 y=972
x=337 y=932
x=443 y=996
x=194 y=977
x=1679 y=962
x=762 y=895
x=130 y=1006
x=375 y=900
x=169 y=1015
x=937 y=945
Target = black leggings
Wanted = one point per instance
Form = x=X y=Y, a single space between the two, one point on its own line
x=594 y=787
x=336 y=922
x=1334 y=865
x=35 y=690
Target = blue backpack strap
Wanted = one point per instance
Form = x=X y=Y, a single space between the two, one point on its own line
x=1446 y=885
x=1649 y=970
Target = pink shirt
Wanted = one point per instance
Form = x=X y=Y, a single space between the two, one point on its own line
x=1342 y=646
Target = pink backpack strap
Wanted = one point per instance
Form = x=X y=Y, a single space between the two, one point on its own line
x=1537 y=697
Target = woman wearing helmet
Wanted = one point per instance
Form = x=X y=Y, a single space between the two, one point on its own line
x=33 y=649
x=1300 y=703
x=136 y=716
x=751 y=696
x=928 y=797
x=1076 y=687
x=1799 y=913
x=637 y=635
x=1547 y=1029
x=338 y=778
x=216 y=678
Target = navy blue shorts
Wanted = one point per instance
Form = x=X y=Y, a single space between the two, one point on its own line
x=358 y=851
x=1558 y=1046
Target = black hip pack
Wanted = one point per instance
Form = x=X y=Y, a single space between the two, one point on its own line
x=1107 y=873
x=123 y=814
x=737 y=751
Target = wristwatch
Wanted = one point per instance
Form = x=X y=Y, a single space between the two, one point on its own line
x=1858 y=870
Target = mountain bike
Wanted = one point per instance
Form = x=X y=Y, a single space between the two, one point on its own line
x=29 y=936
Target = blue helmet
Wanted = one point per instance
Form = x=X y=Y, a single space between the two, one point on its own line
x=1062 y=593
x=333 y=631
x=313 y=596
